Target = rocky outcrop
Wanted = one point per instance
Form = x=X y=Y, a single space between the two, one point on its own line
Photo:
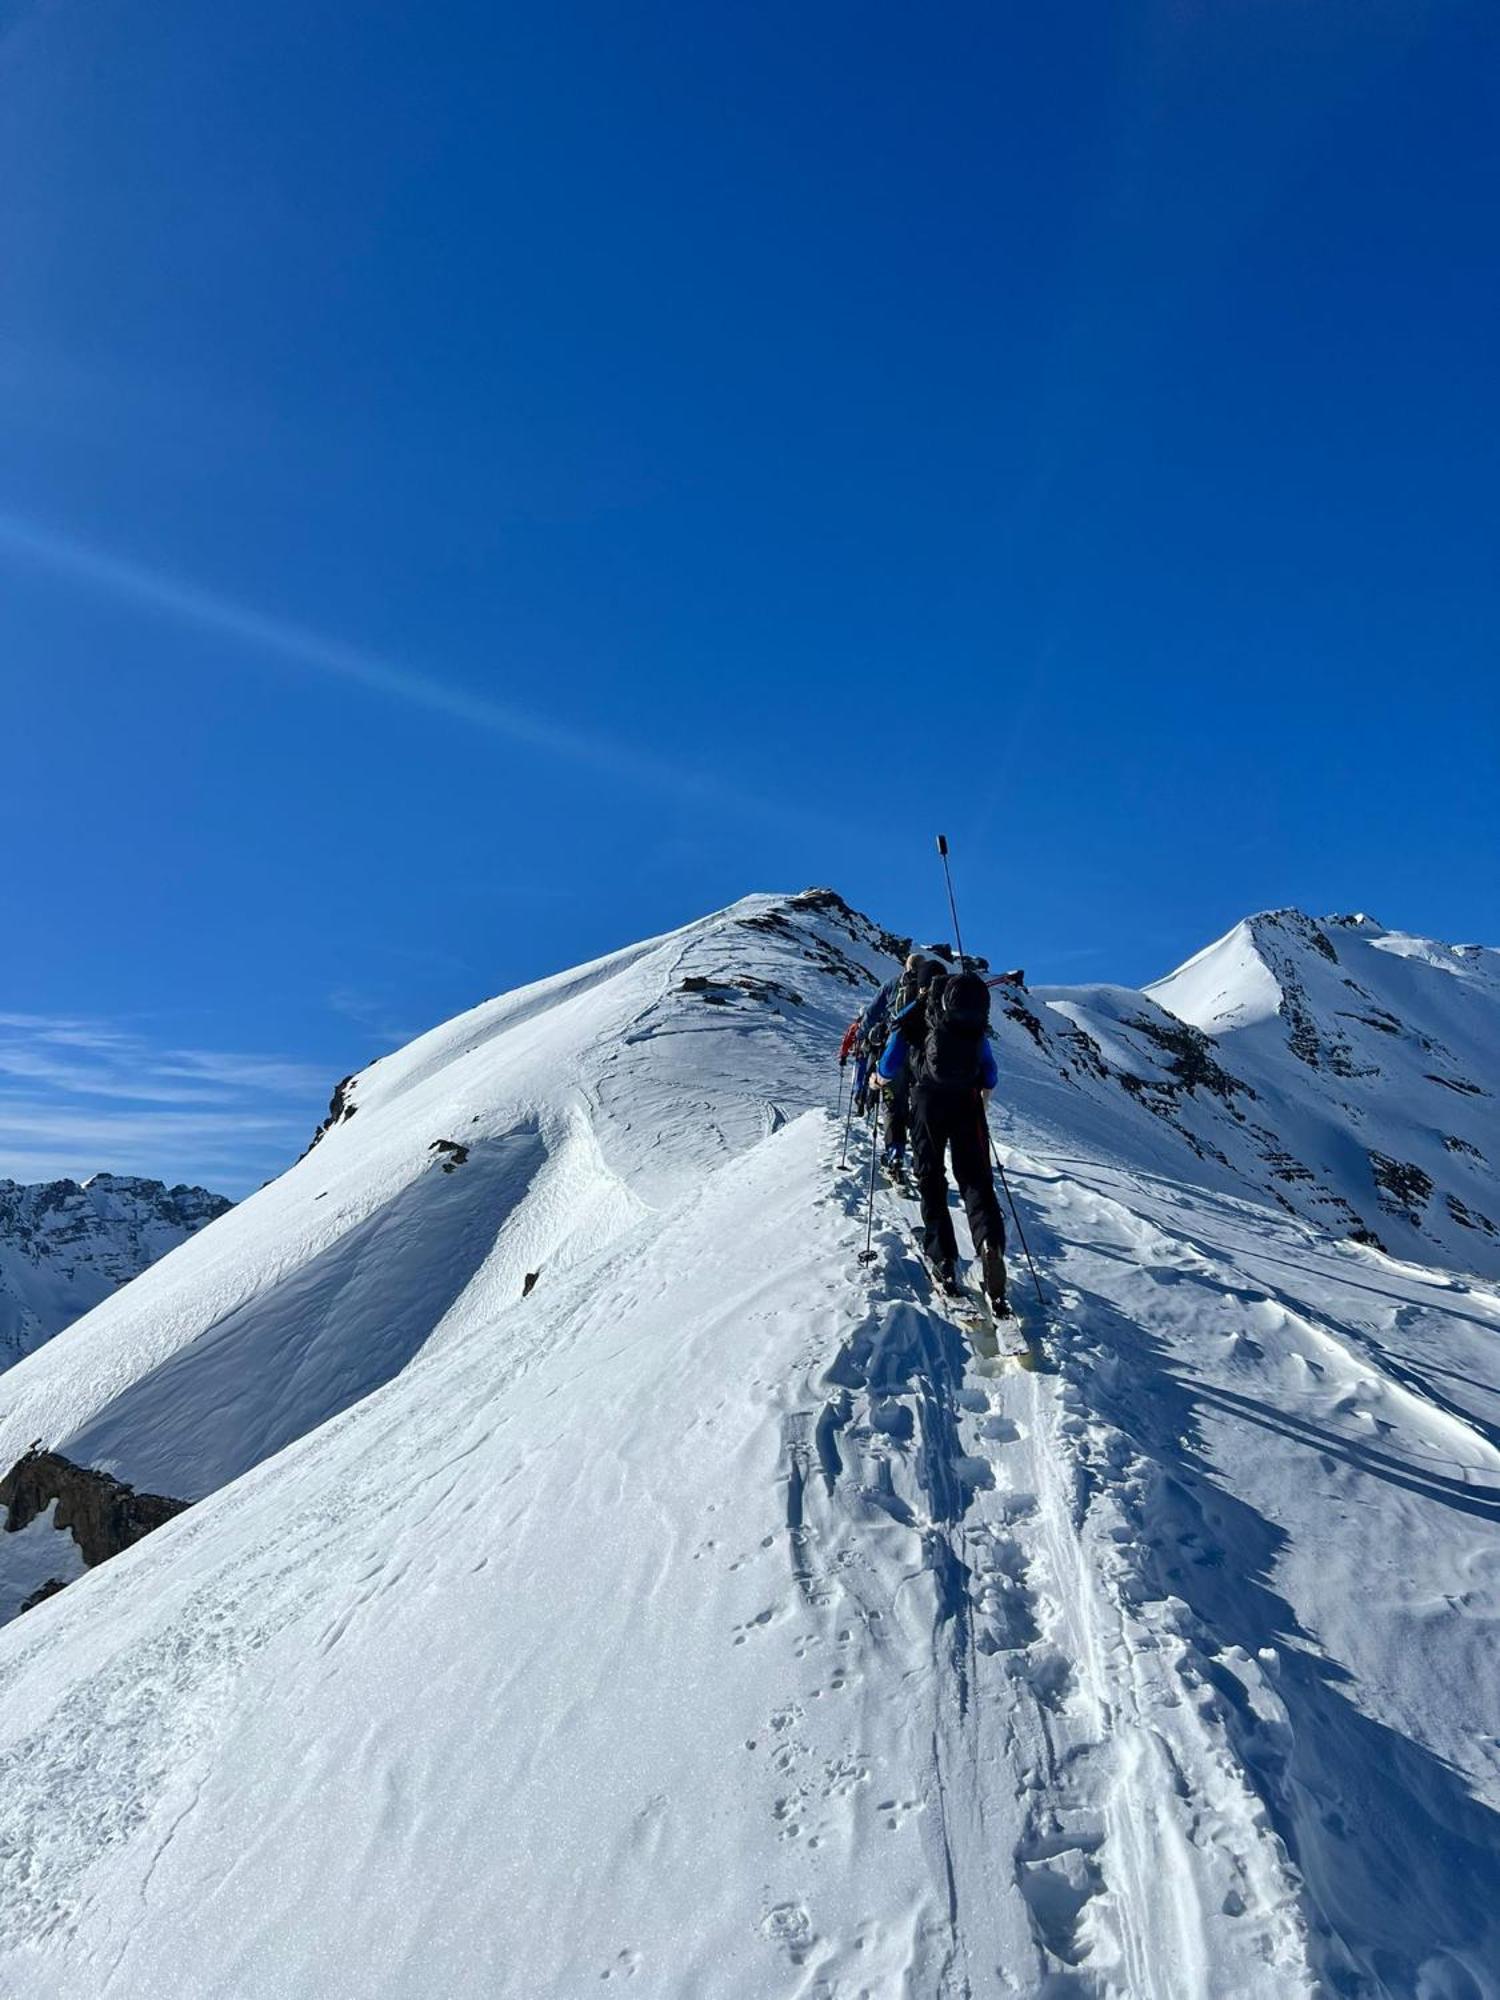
x=102 y=1514
x=48 y=1218
x=341 y=1108
x=66 y=1245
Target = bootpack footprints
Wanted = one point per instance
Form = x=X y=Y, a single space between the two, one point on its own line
x=894 y=1813
x=1000 y=1429
x=753 y=1625
x=790 y=1926
x=1058 y=1889
x=821 y=1806
x=626 y=1965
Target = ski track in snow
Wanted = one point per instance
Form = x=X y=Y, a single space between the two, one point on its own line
x=709 y=1623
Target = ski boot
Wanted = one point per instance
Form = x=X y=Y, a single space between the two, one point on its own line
x=992 y=1263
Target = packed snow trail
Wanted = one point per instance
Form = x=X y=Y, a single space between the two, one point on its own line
x=706 y=1620
x=1134 y=1842
x=1354 y=1702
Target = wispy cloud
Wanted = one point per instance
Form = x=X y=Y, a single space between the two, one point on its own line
x=300 y=646
x=77 y=1096
x=369 y=1011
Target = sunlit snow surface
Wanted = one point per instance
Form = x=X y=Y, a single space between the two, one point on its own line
x=706 y=1621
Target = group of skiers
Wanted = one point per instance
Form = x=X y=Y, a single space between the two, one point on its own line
x=923 y=1045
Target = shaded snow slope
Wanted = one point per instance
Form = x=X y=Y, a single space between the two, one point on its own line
x=64 y=1246
x=707 y=1619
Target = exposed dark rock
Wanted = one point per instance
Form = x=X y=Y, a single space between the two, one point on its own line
x=1162 y=1098
x=1458 y=1083
x=1462 y=1146
x=40 y=1595
x=341 y=1106
x=1190 y=1057
x=1364 y=1234
x=1377 y=1018
x=1300 y=926
x=454 y=1155
x=851 y=920
x=1404 y=1188
x=767 y=989
x=1470 y=1218
x=66 y=1244
x=52 y=1218
x=725 y=992
x=103 y=1515
x=1015 y=1008
x=1083 y=1052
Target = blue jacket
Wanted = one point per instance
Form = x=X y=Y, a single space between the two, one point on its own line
x=896 y=1050
x=875 y=1015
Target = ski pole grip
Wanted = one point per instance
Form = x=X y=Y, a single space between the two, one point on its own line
x=943 y=845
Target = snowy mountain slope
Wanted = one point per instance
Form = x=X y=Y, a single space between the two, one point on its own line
x=706 y=1619
x=65 y=1246
x=514 y=1139
x=1374 y=1058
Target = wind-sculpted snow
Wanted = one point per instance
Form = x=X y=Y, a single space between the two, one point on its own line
x=706 y=1619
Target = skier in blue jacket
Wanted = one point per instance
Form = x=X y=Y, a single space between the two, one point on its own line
x=941 y=1043
x=870 y=1033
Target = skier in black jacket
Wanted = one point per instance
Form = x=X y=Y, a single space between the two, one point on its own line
x=942 y=1040
x=917 y=975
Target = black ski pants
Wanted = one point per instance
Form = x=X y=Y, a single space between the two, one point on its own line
x=897 y=1113
x=944 y=1122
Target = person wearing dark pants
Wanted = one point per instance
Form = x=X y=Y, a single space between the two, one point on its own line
x=897 y=1123
x=941 y=1049
x=948 y=1124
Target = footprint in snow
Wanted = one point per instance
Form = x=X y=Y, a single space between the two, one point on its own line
x=1000 y=1430
x=790 y=1926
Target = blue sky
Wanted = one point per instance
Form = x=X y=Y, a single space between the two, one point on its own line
x=483 y=484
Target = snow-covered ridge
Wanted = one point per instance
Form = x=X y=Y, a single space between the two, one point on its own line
x=698 y=1615
x=519 y=1137
x=1373 y=1061
x=65 y=1245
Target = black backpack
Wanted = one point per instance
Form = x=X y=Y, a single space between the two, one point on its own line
x=958 y=1018
x=915 y=981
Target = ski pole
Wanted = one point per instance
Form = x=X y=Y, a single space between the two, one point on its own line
x=942 y=847
x=1015 y=1216
x=867 y=1255
x=838 y=1114
x=848 y=1121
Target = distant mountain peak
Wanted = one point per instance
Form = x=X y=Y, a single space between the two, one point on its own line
x=65 y=1245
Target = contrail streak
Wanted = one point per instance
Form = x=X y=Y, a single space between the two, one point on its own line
x=299 y=645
